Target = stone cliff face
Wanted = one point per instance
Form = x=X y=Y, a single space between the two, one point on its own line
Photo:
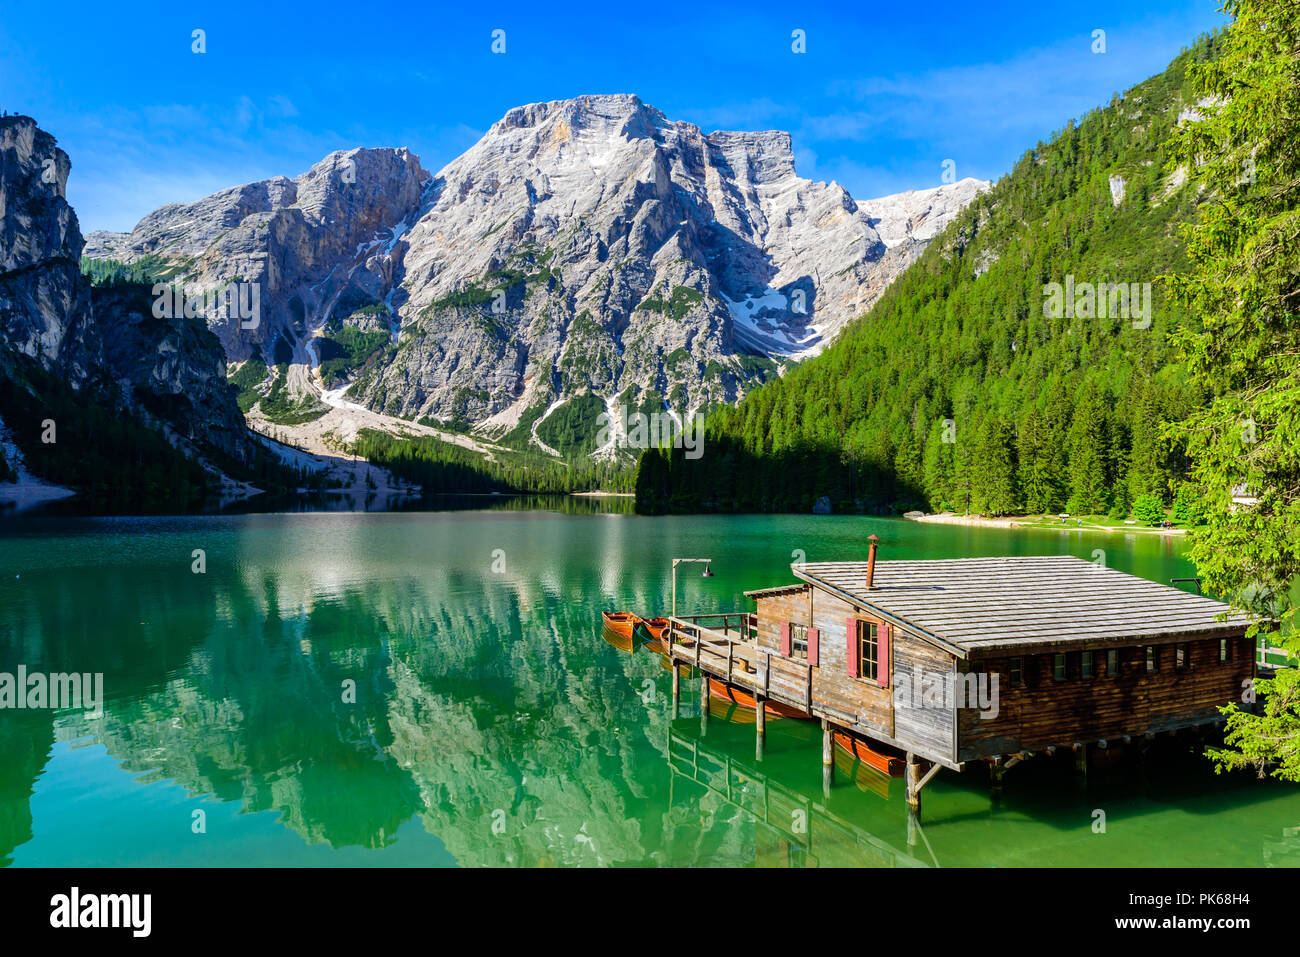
x=104 y=342
x=585 y=246
x=301 y=241
x=174 y=368
x=44 y=303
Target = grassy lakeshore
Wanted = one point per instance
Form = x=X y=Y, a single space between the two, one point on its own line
x=1100 y=523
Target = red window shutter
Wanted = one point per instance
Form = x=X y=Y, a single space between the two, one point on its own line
x=813 y=635
x=785 y=638
x=884 y=648
x=851 y=626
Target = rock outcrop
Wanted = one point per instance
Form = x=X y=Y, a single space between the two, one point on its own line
x=174 y=368
x=301 y=242
x=44 y=302
x=104 y=342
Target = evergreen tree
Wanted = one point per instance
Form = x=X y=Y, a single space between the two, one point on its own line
x=940 y=489
x=1246 y=293
x=1146 y=471
x=652 y=483
x=1187 y=505
x=1038 y=477
x=909 y=468
x=993 y=486
x=1089 y=469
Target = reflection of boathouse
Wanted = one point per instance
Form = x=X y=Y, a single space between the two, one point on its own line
x=983 y=659
x=806 y=830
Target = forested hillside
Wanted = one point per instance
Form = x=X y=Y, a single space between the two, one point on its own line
x=967 y=387
x=440 y=467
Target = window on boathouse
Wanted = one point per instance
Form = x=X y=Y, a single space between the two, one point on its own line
x=798 y=641
x=868 y=650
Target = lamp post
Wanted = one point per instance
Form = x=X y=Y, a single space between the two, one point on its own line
x=706 y=562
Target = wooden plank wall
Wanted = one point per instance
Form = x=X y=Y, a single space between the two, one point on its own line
x=1047 y=712
x=773 y=611
x=932 y=729
x=832 y=686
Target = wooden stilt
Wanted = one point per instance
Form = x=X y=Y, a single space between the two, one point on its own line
x=1081 y=760
x=677 y=690
x=913 y=784
x=996 y=770
x=760 y=726
x=916 y=782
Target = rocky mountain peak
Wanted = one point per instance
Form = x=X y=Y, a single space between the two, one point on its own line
x=348 y=187
x=623 y=113
x=918 y=215
x=299 y=240
x=582 y=247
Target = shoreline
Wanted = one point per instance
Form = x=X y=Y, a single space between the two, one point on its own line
x=25 y=491
x=1027 y=521
x=21 y=496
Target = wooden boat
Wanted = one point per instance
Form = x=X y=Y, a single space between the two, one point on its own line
x=881 y=760
x=622 y=622
x=720 y=689
x=656 y=626
x=657 y=629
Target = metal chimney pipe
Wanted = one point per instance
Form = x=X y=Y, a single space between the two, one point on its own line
x=871 y=559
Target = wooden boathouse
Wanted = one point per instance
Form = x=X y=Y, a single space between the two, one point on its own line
x=979 y=659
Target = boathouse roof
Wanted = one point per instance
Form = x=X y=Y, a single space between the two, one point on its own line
x=1023 y=603
x=775 y=592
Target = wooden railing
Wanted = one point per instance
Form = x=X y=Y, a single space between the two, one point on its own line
x=734 y=656
x=1262 y=652
x=743 y=624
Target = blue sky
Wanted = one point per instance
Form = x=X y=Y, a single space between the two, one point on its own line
x=884 y=94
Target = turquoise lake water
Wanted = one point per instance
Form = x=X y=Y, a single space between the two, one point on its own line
x=433 y=688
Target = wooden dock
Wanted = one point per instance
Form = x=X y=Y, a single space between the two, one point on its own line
x=731 y=654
